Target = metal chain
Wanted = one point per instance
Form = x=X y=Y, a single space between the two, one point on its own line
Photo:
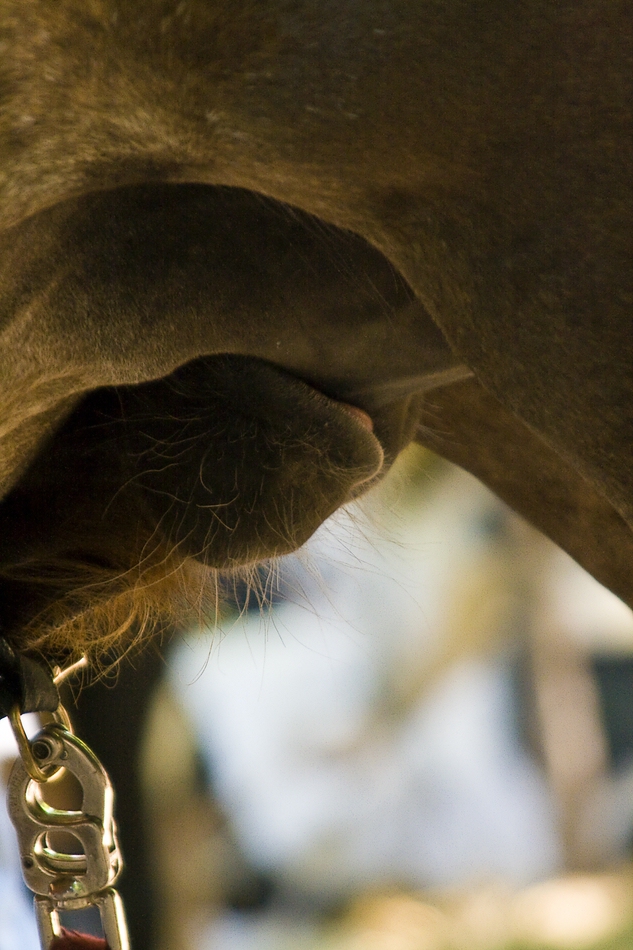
x=62 y=881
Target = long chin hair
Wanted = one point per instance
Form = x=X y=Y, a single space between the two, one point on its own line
x=92 y=610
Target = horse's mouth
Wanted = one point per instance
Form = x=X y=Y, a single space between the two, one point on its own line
x=228 y=461
x=359 y=415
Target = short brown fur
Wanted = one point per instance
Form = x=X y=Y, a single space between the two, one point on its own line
x=312 y=188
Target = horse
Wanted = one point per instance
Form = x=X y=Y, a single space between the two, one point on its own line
x=249 y=251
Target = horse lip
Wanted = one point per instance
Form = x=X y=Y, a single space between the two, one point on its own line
x=376 y=396
x=356 y=413
x=361 y=416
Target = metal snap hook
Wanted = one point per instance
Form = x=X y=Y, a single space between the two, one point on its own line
x=61 y=880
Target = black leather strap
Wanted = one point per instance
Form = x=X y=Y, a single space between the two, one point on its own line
x=25 y=683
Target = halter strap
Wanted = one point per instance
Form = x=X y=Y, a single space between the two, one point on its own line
x=24 y=683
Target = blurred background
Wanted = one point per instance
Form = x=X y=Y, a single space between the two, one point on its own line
x=415 y=734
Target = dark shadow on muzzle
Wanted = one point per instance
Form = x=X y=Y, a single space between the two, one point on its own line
x=238 y=461
x=228 y=460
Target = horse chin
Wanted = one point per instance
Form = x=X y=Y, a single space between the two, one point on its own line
x=253 y=461
x=224 y=463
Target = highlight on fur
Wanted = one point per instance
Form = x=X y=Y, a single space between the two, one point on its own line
x=106 y=617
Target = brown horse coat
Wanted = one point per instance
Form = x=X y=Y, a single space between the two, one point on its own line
x=295 y=195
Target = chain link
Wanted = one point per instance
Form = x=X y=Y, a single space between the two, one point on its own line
x=60 y=880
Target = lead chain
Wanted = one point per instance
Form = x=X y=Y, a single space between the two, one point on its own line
x=62 y=881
